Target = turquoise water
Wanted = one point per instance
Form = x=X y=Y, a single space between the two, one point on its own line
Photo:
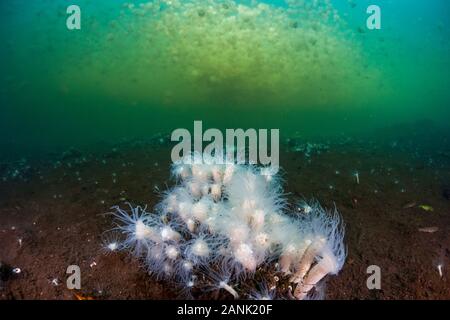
x=139 y=68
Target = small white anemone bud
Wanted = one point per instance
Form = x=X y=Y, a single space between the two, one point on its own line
x=228 y=173
x=167 y=269
x=246 y=209
x=172 y=204
x=277 y=219
x=143 y=231
x=211 y=223
x=306 y=208
x=215 y=209
x=184 y=210
x=195 y=188
x=262 y=240
x=200 y=210
x=188 y=265
x=200 y=248
x=200 y=172
x=216 y=191
x=224 y=251
x=238 y=233
x=168 y=234
x=183 y=171
x=326 y=265
x=249 y=204
x=217 y=174
x=155 y=252
x=172 y=252
x=307 y=260
x=267 y=173
x=244 y=254
x=287 y=258
x=190 y=223
x=191 y=283
x=113 y=246
x=205 y=189
x=257 y=219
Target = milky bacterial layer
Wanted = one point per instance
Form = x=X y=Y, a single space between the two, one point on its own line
x=221 y=52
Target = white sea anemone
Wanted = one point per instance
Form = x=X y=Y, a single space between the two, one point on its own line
x=327 y=263
x=228 y=173
x=142 y=231
x=288 y=258
x=139 y=227
x=112 y=246
x=195 y=188
x=185 y=210
x=111 y=242
x=206 y=189
x=217 y=172
x=169 y=234
x=202 y=249
x=201 y=209
x=220 y=280
x=307 y=259
x=263 y=292
x=262 y=241
x=246 y=256
x=216 y=191
x=235 y=230
x=201 y=172
x=327 y=249
x=172 y=252
x=155 y=259
x=246 y=186
x=191 y=225
x=180 y=170
x=187 y=285
x=257 y=219
x=304 y=207
x=173 y=199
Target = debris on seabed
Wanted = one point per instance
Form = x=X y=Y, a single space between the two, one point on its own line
x=410 y=205
x=55 y=282
x=16 y=270
x=356 y=175
x=429 y=229
x=426 y=207
x=81 y=297
x=439 y=267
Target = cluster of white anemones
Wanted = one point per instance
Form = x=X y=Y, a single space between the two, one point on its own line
x=225 y=221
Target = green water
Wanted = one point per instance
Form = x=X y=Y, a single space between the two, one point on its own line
x=138 y=68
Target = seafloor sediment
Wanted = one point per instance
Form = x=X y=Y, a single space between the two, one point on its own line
x=52 y=216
